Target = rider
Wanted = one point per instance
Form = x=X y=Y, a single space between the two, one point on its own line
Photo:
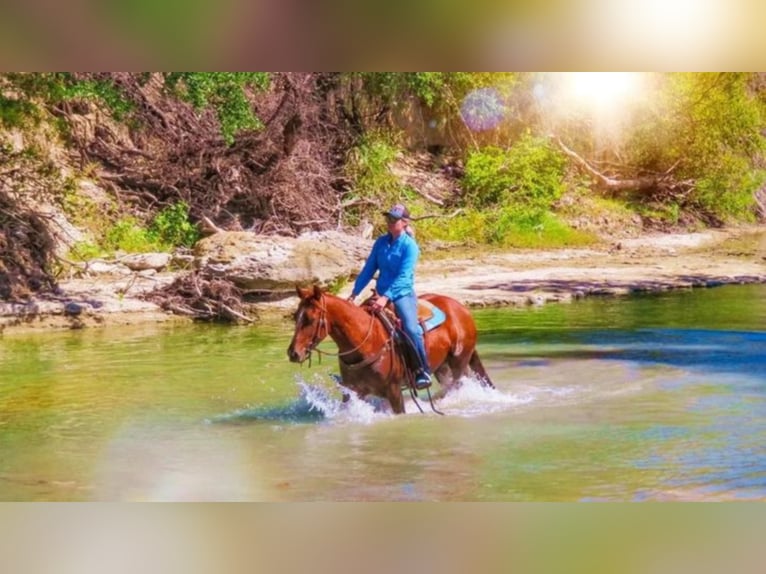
x=395 y=254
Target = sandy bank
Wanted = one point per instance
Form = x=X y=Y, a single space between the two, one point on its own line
x=487 y=278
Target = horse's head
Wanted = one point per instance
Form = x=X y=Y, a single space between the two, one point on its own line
x=310 y=324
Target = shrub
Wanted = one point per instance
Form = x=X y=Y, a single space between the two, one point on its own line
x=128 y=235
x=225 y=93
x=530 y=173
x=374 y=185
x=504 y=227
x=171 y=227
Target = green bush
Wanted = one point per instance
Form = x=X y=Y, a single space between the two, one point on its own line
x=85 y=251
x=530 y=173
x=128 y=235
x=171 y=227
x=16 y=113
x=504 y=227
x=225 y=93
x=727 y=192
x=373 y=183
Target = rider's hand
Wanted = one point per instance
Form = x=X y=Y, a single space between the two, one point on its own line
x=351 y=298
x=380 y=303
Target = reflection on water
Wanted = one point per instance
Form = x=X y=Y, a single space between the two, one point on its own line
x=649 y=398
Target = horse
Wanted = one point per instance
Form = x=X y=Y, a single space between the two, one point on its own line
x=369 y=364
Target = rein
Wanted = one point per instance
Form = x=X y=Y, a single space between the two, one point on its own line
x=388 y=346
x=318 y=337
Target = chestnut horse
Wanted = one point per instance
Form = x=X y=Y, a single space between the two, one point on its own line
x=369 y=364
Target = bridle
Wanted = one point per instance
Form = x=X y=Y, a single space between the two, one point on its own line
x=318 y=337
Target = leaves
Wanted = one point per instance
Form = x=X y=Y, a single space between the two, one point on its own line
x=225 y=93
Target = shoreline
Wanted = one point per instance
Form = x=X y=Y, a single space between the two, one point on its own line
x=648 y=263
x=651 y=263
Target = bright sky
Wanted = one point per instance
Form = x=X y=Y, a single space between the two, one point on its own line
x=607 y=99
x=602 y=89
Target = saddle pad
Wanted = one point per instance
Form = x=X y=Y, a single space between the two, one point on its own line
x=429 y=315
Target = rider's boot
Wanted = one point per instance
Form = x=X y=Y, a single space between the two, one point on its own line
x=422 y=380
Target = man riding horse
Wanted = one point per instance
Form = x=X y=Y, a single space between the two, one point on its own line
x=394 y=255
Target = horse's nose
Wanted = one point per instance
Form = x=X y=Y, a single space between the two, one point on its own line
x=292 y=355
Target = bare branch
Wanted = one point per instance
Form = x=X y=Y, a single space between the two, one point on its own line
x=609 y=183
x=439 y=216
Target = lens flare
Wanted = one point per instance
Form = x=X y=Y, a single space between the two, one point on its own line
x=483 y=109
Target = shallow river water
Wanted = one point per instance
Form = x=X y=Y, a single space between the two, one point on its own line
x=657 y=397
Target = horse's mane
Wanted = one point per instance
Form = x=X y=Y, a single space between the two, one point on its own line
x=358 y=309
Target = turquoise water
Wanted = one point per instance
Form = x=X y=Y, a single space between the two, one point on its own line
x=658 y=397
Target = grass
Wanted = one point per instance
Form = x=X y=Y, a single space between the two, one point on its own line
x=504 y=231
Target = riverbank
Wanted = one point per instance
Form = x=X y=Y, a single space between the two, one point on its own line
x=647 y=263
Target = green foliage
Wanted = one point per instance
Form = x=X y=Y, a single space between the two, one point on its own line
x=728 y=191
x=99 y=90
x=130 y=236
x=172 y=227
x=169 y=228
x=432 y=88
x=56 y=87
x=708 y=128
x=16 y=113
x=225 y=93
x=531 y=173
x=391 y=85
x=504 y=227
x=721 y=130
x=85 y=251
x=374 y=185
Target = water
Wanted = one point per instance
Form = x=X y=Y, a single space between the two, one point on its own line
x=650 y=398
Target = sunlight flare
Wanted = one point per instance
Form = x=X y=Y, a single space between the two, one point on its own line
x=602 y=89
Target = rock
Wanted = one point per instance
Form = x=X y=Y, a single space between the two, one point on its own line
x=99 y=267
x=143 y=261
x=256 y=262
x=73 y=308
x=182 y=261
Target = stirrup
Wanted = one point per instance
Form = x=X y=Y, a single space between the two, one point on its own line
x=422 y=381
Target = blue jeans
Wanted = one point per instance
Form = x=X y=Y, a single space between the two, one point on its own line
x=407 y=310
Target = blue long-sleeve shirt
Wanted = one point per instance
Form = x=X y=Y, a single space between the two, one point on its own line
x=395 y=259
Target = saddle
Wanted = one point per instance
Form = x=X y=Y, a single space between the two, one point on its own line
x=429 y=317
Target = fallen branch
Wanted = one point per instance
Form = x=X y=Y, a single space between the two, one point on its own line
x=609 y=183
x=439 y=216
x=204 y=298
x=430 y=198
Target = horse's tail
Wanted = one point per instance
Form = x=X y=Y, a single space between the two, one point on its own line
x=478 y=367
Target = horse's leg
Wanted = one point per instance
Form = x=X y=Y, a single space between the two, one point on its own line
x=444 y=376
x=478 y=368
x=396 y=399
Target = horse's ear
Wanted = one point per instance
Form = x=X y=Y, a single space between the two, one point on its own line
x=302 y=293
x=317 y=292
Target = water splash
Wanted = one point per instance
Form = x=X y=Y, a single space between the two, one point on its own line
x=319 y=400
x=472 y=399
x=332 y=407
